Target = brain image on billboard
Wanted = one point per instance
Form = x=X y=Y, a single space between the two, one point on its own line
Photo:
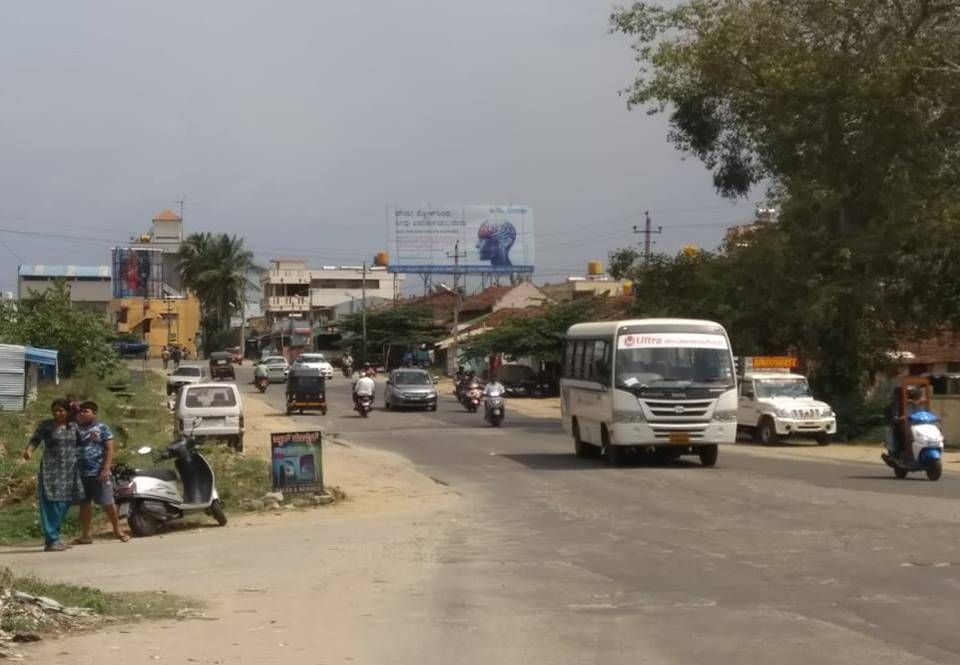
x=493 y=238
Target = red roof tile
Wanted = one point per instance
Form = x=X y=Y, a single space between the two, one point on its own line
x=486 y=299
x=167 y=216
x=941 y=349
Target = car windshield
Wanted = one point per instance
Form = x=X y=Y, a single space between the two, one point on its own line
x=785 y=387
x=412 y=379
x=681 y=366
x=274 y=361
x=187 y=371
x=209 y=396
x=311 y=358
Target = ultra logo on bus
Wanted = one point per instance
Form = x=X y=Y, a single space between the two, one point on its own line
x=672 y=340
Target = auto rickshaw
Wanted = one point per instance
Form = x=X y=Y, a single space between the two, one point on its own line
x=306 y=389
x=221 y=367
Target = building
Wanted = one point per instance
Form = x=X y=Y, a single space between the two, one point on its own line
x=576 y=288
x=148 y=298
x=89 y=285
x=291 y=290
x=22 y=368
x=491 y=299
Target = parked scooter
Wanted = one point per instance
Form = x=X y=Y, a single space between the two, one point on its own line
x=364 y=405
x=262 y=384
x=148 y=498
x=494 y=408
x=926 y=444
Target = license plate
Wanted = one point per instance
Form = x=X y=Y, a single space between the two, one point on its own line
x=809 y=425
x=496 y=412
x=679 y=437
x=213 y=421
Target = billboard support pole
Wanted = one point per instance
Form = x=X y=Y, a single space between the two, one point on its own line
x=456 y=256
x=363 y=314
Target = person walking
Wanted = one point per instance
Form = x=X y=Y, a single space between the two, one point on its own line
x=58 y=483
x=176 y=356
x=165 y=356
x=95 y=460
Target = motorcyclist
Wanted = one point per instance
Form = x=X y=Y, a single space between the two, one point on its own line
x=347 y=363
x=261 y=373
x=899 y=416
x=364 y=387
x=493 y=388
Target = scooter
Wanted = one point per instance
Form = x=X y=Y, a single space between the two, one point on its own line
x=148 y=498
x=493 y=408
x=262 y=384
x=926 y=448
x=347 y=370
x=472 y=396
x=364 y=405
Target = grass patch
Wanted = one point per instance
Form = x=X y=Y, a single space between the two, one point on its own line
x=122 y=606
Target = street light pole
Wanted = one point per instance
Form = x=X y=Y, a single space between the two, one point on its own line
x=456 y=256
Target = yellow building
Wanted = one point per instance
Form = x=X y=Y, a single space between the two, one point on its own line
x=149 y=299
x=160 y=322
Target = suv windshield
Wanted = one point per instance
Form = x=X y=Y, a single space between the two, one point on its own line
x=412 y=379
x=311 y=358
x=187 y=371
x=792 y=387
x=659 y=367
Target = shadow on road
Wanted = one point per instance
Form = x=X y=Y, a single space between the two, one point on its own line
x=918 y=478
x=570 y=462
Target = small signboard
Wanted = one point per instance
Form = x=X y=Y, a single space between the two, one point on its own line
x=772 y=363
x=296 y=462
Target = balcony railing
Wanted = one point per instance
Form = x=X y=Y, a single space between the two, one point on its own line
x=286 y=304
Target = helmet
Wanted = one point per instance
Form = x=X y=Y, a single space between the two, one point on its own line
x=914 y=392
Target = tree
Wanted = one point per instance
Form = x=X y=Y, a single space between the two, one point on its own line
x=394 y=326
x=850 y=109
x=48 y=319
x=217 y=268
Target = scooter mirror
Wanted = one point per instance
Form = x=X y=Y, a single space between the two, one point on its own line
x=144 y=450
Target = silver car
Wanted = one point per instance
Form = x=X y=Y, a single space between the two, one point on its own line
x=277 y=368
x=410 y=387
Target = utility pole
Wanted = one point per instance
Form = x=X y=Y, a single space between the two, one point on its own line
x=363 y=315
x=647 y=232
x=456 y=256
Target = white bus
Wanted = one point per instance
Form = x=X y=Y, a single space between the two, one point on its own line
x=663 y=385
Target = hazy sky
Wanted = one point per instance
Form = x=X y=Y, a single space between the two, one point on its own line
x=294 y=124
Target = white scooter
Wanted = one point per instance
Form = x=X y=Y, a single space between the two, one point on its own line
x=926 y=448
x=493 y=408
x=148 y=498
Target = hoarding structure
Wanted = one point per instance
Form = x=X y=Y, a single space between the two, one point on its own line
x=494 y=239
x=137 y=273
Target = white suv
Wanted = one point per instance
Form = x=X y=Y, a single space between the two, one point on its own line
x=315 y=361
x=210 y=410
x=184 y=375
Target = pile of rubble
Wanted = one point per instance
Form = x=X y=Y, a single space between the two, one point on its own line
x=23 y=617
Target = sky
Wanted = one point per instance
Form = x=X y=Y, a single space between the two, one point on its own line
x=295 y=124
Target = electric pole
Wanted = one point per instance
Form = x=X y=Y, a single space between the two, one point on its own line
x=648 y=231
x=363 y=315
x=456 y=256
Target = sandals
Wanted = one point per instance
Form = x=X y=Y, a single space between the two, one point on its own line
x=82 y=541
x=124 y=537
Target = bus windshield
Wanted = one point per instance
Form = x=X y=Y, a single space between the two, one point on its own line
x=669 y=367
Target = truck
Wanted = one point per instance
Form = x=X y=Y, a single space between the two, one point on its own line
x=776 y=402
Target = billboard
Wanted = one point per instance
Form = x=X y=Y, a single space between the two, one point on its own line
x=137 y=273
x=297 y=461
x=493 y=238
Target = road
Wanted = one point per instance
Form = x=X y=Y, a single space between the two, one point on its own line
x=541 y=557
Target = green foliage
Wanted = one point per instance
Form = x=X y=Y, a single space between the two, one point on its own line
x=217 y=268
x=49 y=320
x=407 y=324
x=622 y=261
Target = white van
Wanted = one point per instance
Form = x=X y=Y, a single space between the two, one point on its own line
x=666 y=385
x=210 y=410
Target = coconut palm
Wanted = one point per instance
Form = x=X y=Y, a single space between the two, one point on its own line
x=217 y=268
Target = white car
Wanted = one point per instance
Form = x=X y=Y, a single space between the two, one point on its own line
x=183 y=375
x=277 y=368
x=778 y=405
x=210 y=410
x=315 y=361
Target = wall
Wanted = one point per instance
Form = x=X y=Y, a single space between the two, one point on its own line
x=185 y=321
x=947 y=407
x=522 y=295
x=91 y=291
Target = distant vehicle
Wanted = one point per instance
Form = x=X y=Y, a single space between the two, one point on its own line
x=779 y=404
x=306 y=390
x=236 y=355
x=410 y=387
x=131 y=349
x=221 y=366
x=183 y=375
x=315 y=361
x=210 y=410
x=277 y=368
x=661 y=385
x=520 y=381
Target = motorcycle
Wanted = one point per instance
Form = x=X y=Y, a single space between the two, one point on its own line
x=262 y=384
x=364 y=405
x=926 y=444
x=148 y=498
x=472 y=397
x=493 y=408
x=347 y=370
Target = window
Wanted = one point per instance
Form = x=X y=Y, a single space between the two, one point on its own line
x=210 y=397
x=568 y=359
x=586 y=369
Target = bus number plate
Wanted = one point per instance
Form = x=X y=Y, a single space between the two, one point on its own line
x=679 y=437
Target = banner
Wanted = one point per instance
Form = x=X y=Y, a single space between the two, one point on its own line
x=137 y=273
x=297 y=463
x=492 y=239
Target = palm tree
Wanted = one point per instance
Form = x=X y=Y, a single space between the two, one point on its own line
x=217 y=268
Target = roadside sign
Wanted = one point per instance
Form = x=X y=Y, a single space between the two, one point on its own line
x=296 y=462
x=772 y=363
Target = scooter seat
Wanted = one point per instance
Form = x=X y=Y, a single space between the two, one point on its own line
x=159 y=474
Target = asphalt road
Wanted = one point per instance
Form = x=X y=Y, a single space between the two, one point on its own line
x=760 y=560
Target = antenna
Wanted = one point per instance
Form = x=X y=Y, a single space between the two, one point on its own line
x=181 y=201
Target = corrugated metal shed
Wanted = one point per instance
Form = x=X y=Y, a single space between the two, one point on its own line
x=102 y=272
x=12 y=378
x=40 y=356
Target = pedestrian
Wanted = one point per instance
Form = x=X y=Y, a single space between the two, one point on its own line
x=58 y=482
x=95 y=460
x=176 y=355
x=165 y=356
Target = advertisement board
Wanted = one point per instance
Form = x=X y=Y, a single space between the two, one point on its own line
x=296 y=462
x=493 y=239
x=137 y=273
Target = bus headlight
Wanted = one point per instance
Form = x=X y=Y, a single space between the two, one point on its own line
x=628 y=417
x=725 y=416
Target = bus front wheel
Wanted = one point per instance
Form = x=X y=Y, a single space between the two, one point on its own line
x=709 y=455
x=580 y=447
